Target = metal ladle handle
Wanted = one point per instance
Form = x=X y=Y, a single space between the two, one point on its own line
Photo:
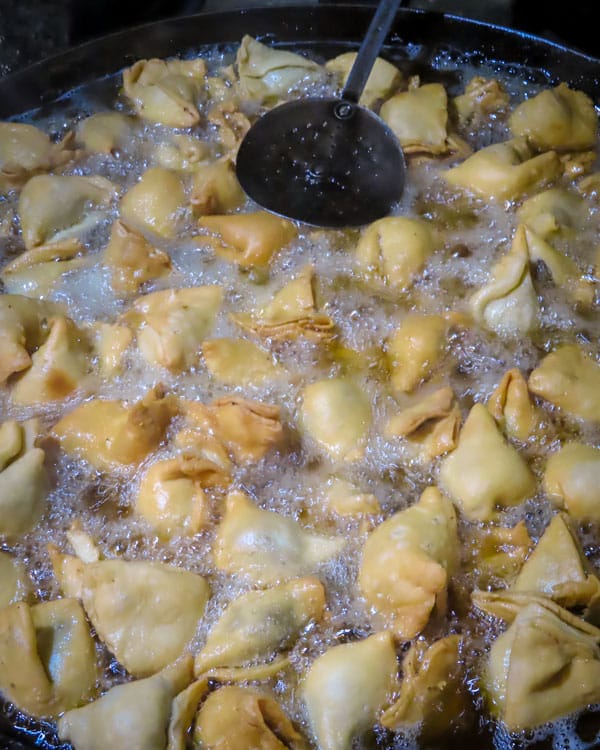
x=369 y=49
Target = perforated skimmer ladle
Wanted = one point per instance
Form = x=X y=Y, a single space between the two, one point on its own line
x=327 y=162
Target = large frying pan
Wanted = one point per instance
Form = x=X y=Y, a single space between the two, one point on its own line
x=326 y=30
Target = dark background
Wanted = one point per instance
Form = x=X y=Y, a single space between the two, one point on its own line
x=33 y=29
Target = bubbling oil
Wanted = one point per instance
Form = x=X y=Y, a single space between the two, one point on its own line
x=291 y=480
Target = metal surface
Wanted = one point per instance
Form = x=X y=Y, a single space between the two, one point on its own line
x=325 y=31
x=369 y=49
x=327 y=162
x=322 y=161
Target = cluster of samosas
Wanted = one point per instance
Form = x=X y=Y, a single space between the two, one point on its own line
x=546 y=662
